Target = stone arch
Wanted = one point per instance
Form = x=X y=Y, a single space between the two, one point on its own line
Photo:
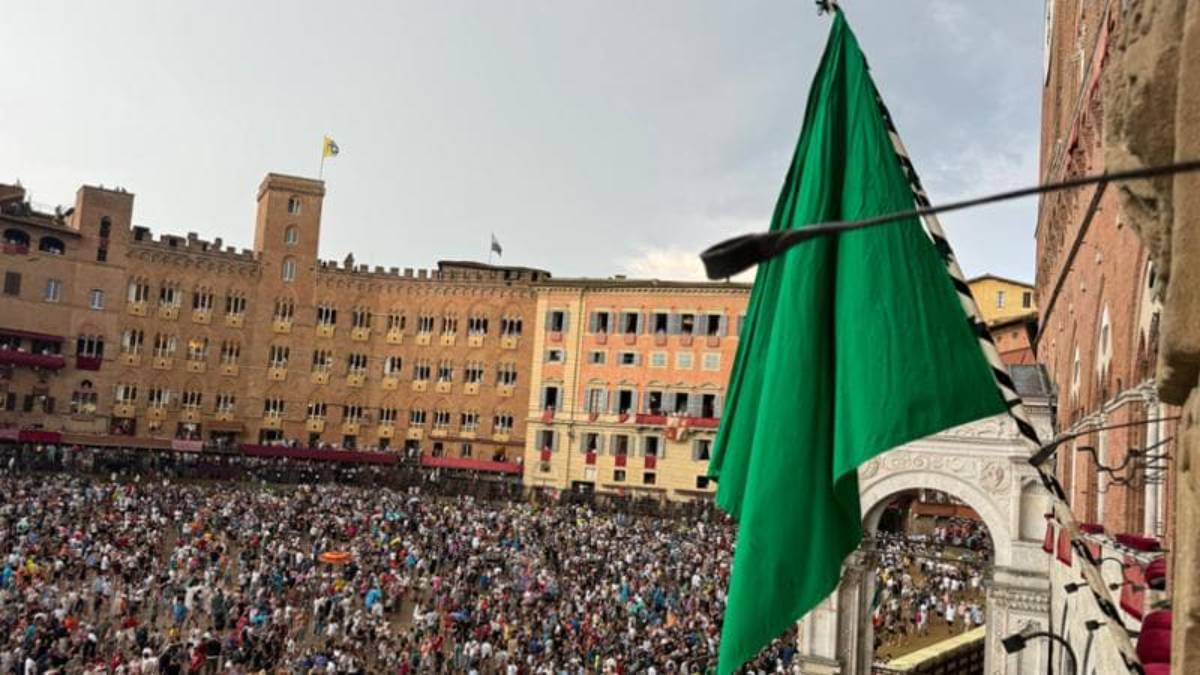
x=875 y=495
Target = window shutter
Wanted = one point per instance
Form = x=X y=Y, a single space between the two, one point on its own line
x=543 y=404
x=674 y=322
x=723 y=330
x=566 y=322
x=549 y=319
x=695 y=450
x=717 y=406
x=554 y=442
x=603 y=402
x=593 y=322
x=612 y=444
x=28 y=407
x=694 y=406
x=641 y=323
x=662 y=447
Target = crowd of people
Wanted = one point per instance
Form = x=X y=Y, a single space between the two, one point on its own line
x=928 y=583
x=147 y=574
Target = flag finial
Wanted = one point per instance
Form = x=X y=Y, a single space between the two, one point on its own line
x=826 y=6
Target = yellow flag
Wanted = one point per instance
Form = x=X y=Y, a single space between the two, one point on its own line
x=329 y=148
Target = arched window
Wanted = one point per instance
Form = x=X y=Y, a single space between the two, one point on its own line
x=52 y=245
x=291 y=235
x=105 y=227
x=289 y=269
x=294 y=205
x=16 y=239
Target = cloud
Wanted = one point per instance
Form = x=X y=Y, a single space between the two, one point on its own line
x=671 y=264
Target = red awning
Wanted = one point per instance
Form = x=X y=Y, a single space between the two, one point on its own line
x=19 y=358
x=1064 y=546
x=39 y=436
x=30 y=335
x=468 y=464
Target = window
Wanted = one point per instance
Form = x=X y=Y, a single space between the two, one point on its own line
x=231 y=350
x=392 y=366
x=1027 y=299
x=360 y=317
x=510 y=327
x=395 y=321
x=618 y=475
x=467 y=450
x=353 y=414
x=701 y=482
x=83 y=400
x=169 y=295
x=469 y=421
x=197 y=349
x=101 y=254
x=326 y=314
x=90 y=346
x=660 y=322
x=96 y=299
x=191 y=400
x=449 y=325
x=285 y=310
x=225 y=403
x=356 y=364
x=235 y=303
x=132 y=341
x=597 y=358
x=620 y=444
x=556 y=321
x=52 y=245
x=654 y=402
x=554 y=356
x=595 y=400
x=658 y=359
x=506 y=374
x=477 y=325
x=628 y=358
x=158 y=398
x=550 y=398
x=625 y=400
x=999 y=299
x=683 y=361
x=681 y=403
x=425 y=324
x=473 y=373
x=164 y=345
x=278 y=356
x=125 y=393
x=708 y=406
x=202 y=299
x=592 y=442
x=139 y=291
x=648 y=478
x=416 y=417
x=105 y=227
x=714 y=325
x=652 y=446
x=387 y=416
x=322 y=360
x=274 y=407
x=445 y=371
x=631 y=323
x=291 y=235
x=701 y=449
x=546 y=439
x=422 y=370
x=289 y=269
x=441 y=419
x=687 y=324
x=53 y=290
x=294 y=205
x=502 y=422
x=712 y=361
x=599 y=322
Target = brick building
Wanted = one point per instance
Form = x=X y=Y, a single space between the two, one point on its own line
x=110 y=335
x=628 y=379
x=1096 y=288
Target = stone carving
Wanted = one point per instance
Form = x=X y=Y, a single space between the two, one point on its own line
x=994 y=478
x=1000 y=427
x=868 y=470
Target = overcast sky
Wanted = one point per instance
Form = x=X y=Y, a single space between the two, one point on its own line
x=593 y=138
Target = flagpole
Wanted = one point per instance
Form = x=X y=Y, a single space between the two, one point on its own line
x=321 y=171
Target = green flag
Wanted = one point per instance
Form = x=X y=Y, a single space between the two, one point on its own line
x=853 y=344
